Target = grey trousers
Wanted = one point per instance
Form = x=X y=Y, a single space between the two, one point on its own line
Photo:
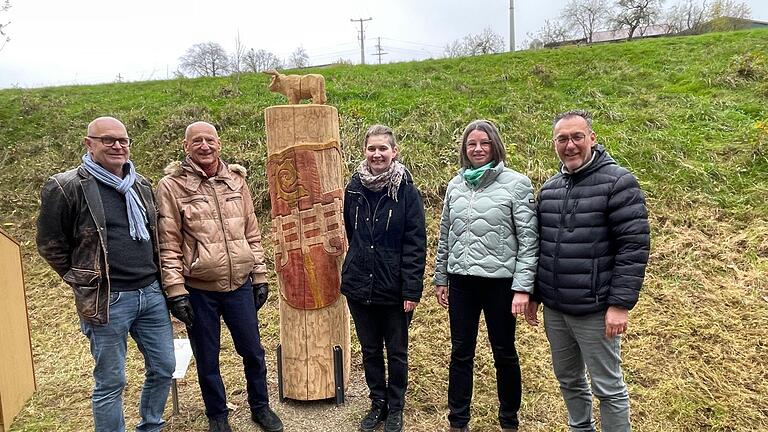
x=578 y=345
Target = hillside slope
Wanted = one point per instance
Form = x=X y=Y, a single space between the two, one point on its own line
x=688 y=115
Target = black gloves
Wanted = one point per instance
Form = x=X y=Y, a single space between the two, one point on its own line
x=181 y=308
x=260 y=291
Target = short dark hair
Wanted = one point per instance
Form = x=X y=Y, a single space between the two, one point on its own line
x=499 y=152
x=379 y=129
x=574 y=113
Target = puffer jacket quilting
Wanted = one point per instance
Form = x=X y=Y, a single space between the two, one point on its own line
x=490 y=230
x=595 y=239
x=209 y=236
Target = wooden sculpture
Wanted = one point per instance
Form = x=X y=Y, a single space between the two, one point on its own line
x=304 y=170
x=298 y=87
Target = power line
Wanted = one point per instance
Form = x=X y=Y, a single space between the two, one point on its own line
x=414 y=43
x=362 y=37
x=379 y=51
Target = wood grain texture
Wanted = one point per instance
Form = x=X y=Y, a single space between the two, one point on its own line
x=17 y=376
x=304 y=171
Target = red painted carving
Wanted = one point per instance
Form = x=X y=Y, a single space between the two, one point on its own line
x=308 y=228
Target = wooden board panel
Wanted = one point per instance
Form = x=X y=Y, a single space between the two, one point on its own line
x=17 y=377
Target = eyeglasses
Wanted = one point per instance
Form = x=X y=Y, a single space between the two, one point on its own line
x=577 y=138
x=110 y=140
x=483 y=144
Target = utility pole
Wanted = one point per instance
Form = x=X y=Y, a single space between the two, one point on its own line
x=362 y=37
x=511 y=25
x=379 y=52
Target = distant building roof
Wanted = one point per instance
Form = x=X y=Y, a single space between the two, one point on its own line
x=717 y=24
x=621 y=34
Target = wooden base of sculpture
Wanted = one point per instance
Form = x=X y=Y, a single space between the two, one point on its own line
x=306 y=187
x=307 y=342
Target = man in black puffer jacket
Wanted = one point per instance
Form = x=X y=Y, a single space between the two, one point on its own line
x=594 y=245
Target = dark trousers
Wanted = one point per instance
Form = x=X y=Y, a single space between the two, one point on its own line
x=467 y=297
x=378 y=327
x=239 y=313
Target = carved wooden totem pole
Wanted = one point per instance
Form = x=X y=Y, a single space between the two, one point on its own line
x=306 y=188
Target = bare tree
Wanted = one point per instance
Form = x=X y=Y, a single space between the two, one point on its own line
x=261 y=60
x=551 y=32
x=586 y=15
x=636 y=14
x=238 y=56
x=205 y=59
x=299 y=58
x=485 y=42
x=690 y=16
x=4 y=38
x=728 y=9
x=685 y=16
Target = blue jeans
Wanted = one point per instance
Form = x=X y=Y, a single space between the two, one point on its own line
x=239 y=313
x=144 y=315
x=578 y=344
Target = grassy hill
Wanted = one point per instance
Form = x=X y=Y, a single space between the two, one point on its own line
x=688 y=115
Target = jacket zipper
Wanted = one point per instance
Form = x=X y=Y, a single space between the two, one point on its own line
x=563 y=212
x=223 y=232
x=571 y=219
x=388 y=219
x=467 y=223
x=371 y=226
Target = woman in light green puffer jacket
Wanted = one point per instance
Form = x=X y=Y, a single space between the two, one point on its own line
x=486 y=262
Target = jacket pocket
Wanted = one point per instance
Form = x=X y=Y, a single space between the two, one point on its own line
x=595 y=280
x=86 y=300
x=81 y=276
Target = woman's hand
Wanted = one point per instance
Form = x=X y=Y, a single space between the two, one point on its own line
x=520 y=303
x=441 y=292
x=409 y=306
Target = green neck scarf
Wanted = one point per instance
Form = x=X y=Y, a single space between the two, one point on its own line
x=473 y=175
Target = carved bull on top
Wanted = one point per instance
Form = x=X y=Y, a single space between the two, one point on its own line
x=298 y=87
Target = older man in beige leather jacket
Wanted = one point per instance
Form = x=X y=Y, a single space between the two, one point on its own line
x=213 y=268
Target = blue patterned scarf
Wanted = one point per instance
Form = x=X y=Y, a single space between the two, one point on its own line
x=137 y=216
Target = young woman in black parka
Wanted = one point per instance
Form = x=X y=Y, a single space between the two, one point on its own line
x=383 y=272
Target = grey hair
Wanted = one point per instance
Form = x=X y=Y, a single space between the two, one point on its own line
x=379 y=129
x=574 y=113
x=499 y=152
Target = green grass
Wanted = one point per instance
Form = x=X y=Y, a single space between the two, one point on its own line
x=688 y=115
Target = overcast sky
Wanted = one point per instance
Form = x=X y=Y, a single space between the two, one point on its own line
x=57 y=42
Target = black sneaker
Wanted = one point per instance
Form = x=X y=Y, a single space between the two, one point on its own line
x=375 y=416
x=394 y=422
x=267 y=419
x=219 y=425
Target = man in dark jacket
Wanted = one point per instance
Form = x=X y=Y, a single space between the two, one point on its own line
x=97 y=229
x=594 y=244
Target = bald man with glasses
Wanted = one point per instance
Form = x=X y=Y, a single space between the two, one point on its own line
x=97 y=230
